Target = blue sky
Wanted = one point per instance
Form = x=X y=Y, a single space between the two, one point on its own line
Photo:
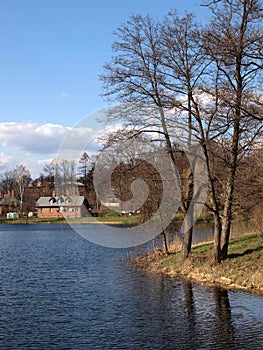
x=51 y=53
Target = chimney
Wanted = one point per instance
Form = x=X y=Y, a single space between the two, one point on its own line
x=53 y=193
x=13 y=194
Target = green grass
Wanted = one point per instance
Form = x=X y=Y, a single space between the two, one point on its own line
x=242 y=269
x=24 y=220
x=124 y=220
x=112 y=219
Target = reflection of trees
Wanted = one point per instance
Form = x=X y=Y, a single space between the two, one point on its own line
x=180 y=315
x=223 y=316
x=219 y=323
x=193 y=327
x=189 y=300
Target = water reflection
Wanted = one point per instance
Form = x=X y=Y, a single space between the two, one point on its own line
x=58 y=291
x=218 y=316
x=203 y=232
x=189 y=299
x=223 y=314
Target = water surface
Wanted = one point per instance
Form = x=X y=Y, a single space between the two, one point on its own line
x=59 y=291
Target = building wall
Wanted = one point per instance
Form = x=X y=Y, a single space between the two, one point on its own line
x=54 y=212
x=40 y=189
x=10 y=205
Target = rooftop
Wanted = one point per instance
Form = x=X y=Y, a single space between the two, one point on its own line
x=60 y=201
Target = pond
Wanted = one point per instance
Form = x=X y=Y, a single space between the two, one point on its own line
x=59 y=291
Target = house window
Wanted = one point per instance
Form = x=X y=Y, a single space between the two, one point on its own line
x=76 y=210
x=42 y=210
x=51 y=210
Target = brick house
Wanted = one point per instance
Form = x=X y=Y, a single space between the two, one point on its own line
x=62 y=206
x=8 y=203
x=39 y=188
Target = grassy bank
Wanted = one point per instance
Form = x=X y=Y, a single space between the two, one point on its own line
x=242 y=270
x=24 y=220
x=121 y=220
x=107 y=217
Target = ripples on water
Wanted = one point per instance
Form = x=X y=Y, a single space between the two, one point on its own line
x=58 y=291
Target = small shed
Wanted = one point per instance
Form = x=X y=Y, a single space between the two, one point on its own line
x=12 y=215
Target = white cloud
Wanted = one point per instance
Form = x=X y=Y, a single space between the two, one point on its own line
x=34 y=145
x=63 y=95
x=32 y=137
x=4 y=160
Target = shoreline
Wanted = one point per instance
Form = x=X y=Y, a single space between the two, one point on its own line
x=241 y=271
x=61 y=222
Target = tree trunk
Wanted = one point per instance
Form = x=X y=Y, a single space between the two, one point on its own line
x=226 y=226
x=187 y=243
x=217 y=238
x=227 y=215
x=188 y=235
x=165 y=241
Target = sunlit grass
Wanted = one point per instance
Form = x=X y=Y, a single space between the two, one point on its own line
x=124 y=220
x=242 y=269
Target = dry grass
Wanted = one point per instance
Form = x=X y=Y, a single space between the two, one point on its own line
x=242 y=270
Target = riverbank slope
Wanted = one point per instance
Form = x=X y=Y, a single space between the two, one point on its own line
x=242 y=270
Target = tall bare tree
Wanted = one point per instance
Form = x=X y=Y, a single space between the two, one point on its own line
x=144 y=78
x=233 y=41
x=224 y=102
x=210 y=78
x=7 y=180
x=135 y=77
x=185 y=63
x=65 y=177
x=21 y=177
x=84 y=168
x=49 y=171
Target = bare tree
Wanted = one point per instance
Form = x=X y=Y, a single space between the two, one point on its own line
x=84 y=168
x=185 y=63
x=139 y=78
x=135 y=78
x=21 y=177
x=7 y=180
x=49 y=171
x=210 y=78
x=233 y=41
x=65 y=177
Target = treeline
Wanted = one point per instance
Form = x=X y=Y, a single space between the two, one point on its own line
x=131 y=164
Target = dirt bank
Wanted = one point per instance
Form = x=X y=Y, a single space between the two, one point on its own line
x=243 y=269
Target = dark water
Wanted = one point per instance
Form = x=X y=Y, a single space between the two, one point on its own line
x=58 y=291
